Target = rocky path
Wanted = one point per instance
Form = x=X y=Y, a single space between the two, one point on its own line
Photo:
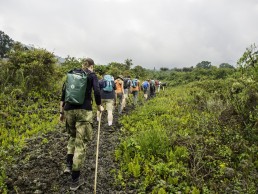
x=39 y=168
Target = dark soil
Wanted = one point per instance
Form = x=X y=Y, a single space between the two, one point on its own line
x=39 y=168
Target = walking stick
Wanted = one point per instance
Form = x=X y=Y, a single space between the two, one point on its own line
x=97 y=155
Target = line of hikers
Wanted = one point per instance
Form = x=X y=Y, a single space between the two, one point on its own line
x=76 y=108
x=117 y=91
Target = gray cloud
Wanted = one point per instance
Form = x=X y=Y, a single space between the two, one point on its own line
x=164 y=33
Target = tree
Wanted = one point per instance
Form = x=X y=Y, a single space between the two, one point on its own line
x=6 y=44
x=128 y=63
x=249 y=58
x=248 y=63
x=100 y=69
x=164 y=69
x=226 y=65
x=139 y=71
x=187 y=69
x=70 y=63
x=32 y=68
x=204 y=65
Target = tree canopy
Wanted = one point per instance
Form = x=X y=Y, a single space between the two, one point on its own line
x=6 y=44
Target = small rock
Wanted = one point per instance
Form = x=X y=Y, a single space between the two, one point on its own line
x=38 y=192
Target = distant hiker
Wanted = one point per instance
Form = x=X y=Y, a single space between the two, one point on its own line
x=135 y=90
x=107 y=91
x=76 y=109
x=152 y=88
x=127 y=86
x=157 y=85
x=163 y=85
x=145 y=88
x=158 y=88
x=119 y=93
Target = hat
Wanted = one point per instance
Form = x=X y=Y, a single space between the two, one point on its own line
x=120 y=76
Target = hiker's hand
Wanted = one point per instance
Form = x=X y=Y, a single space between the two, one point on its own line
x=100 y=108
x=62 y=118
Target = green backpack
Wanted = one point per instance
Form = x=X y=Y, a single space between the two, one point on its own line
x=76 y=84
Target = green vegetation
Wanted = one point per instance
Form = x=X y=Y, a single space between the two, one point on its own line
x=189 y=142
x=28 y=100
x=6 y=44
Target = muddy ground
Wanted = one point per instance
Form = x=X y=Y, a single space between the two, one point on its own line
x=39 y=168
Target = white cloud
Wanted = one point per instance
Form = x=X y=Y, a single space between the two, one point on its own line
x=164 y=33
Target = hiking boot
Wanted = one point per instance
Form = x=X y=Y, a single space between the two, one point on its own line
x=76 y=184
x=68 y=170
x=69 y=164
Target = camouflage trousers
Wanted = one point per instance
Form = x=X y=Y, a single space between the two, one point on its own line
x=135 y=97
x=79 y=128
x=119 y=101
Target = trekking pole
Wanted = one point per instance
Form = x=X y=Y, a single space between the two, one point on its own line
x=97 y=155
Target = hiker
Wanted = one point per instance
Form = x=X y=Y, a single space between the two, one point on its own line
x=145 y=88
x=79 y=121
x=152 y=88
x=127 y=86
x=119 y=82
x=159 y=83
x=135 y=90
x=163 y=85
x=107 y=91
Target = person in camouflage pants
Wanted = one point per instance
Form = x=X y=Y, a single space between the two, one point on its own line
x=78 y=119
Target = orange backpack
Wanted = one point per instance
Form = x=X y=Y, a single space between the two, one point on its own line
x=118 y=83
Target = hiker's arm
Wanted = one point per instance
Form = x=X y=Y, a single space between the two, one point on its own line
x=61 y=117
x=114 y=85
x=97 y=95
x=62 y=103
x=101 y=84
x=122 y=85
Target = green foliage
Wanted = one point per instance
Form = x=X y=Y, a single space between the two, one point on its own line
x=139 y=71
x=6 y=44
x=128 y=63
x=3 y=187
x=190 y=139
x=226 y=65
x=70 y=63
x=176 y=77
x=134 y=167
x=100 y=69
x=28 y=70
x=248 y=63
x=204 y=65
x=164 y=69
x=249 y=58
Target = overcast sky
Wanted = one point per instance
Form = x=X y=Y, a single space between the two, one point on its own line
x=153 y=33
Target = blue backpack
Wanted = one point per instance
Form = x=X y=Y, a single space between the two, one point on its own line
x=108 y=83
x=134 y=83
x=145 y=85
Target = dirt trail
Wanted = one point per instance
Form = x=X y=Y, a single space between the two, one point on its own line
x=39 y=168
